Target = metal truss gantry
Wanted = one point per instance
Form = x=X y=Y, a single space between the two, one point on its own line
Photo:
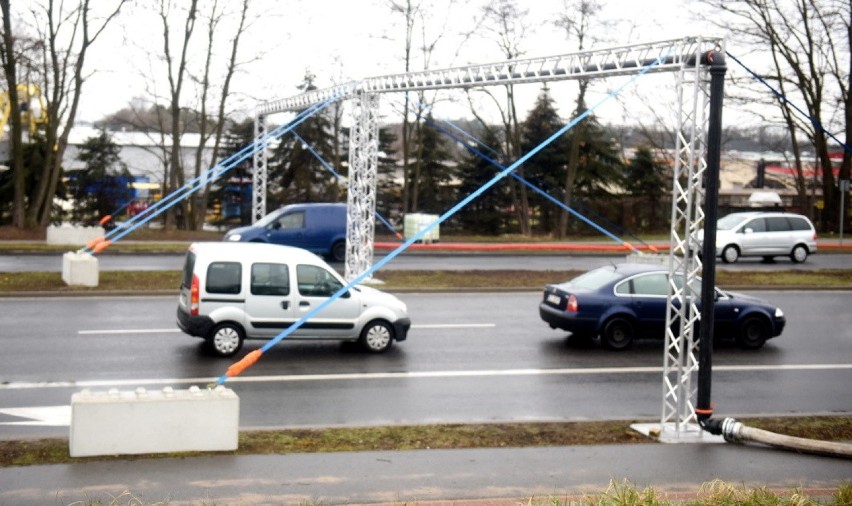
x=681 y=56
x=680 y=364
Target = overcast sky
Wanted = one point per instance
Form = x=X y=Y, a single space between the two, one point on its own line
x=342 y=40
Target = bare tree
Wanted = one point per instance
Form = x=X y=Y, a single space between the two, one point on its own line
x=198 y=208
x=416 y=15
x=809 y=43
x=576 y=27
x=504 y=23
x=66 y=36
x=10 y=70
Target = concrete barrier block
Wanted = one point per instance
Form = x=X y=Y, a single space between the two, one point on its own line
x=79 y=269
x=74 y=235
x=141 y=421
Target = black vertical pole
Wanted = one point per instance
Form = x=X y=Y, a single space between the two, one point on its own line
x=716 y=61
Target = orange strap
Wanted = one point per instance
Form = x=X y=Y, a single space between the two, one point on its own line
x=101 y=246
x=245 y=363
x=91 y=244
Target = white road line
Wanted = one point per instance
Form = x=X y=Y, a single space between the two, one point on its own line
x=167 y=331
x=402 y=375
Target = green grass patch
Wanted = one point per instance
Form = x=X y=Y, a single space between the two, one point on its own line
x=139 y=281
x=420 y=437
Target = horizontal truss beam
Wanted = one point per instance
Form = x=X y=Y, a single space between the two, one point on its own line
x=582 y=65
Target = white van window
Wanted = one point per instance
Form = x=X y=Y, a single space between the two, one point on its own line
x=270 y=279
x=316 y=282
x=188 y=269
x=224 y=277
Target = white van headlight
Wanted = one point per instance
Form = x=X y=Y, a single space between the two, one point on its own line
x=234 y=237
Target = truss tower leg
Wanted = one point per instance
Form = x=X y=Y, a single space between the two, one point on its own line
x=680 y=364
x=363 y=167
x=258 y=189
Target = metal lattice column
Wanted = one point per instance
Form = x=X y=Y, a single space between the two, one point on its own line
x=363 y=167
x=258 y=193
x=679 y=362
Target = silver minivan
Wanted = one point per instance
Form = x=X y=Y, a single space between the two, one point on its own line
x=233 y=291
x=765 y=234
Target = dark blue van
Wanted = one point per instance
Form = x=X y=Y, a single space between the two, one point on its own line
x=318 y=228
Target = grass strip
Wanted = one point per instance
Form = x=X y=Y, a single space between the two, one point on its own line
x=140 y=281
x=421 y=437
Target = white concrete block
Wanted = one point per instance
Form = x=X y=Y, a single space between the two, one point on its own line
x=74 y=235
x=79 y=269
x=141 y=421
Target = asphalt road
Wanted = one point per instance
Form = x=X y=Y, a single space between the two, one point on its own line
x=470 y=357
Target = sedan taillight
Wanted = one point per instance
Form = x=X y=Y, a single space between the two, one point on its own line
x=572 y=305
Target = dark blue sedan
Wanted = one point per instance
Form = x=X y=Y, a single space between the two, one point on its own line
x=623 y=302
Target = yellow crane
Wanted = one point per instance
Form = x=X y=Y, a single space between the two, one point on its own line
x=33 y=108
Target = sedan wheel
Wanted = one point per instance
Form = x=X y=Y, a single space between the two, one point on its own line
x=225 y=340
x=376 y=336
x=753 y=333
x=617 y=334
x=799 y=254
x=730 y=254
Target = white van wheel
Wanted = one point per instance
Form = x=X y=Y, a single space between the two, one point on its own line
x=376 y=336
x=799 y=254
x=225 y=339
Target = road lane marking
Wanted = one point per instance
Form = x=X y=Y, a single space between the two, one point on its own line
x=44 y=416
x=168 y=331
x=21 y=385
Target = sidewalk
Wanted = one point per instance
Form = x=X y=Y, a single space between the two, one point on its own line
x=506 y=476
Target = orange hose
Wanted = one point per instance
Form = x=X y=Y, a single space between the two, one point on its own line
x=91 y=244
x=245 y=363
x=101 y=246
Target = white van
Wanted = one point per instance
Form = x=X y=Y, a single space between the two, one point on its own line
x=232 y=291
x=766 y=234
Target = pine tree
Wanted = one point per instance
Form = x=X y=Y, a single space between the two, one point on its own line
x=232 y=192
x=489 y=213
x=295 y=173
x=644 y=179
x=435 y=191
x=546 y=169
x=103 y=186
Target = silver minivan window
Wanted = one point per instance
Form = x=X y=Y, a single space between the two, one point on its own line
x=730 y=221
x=756 y=225
x=778 y=224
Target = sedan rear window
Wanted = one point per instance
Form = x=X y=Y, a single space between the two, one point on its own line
x=596 y=279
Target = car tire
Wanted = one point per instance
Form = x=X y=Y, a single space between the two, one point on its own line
x=730 y=254
x=225 y=339
x=617 y=334
x=338 y=251
x=754 y=331
x=376 y=336
x=799 y=254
